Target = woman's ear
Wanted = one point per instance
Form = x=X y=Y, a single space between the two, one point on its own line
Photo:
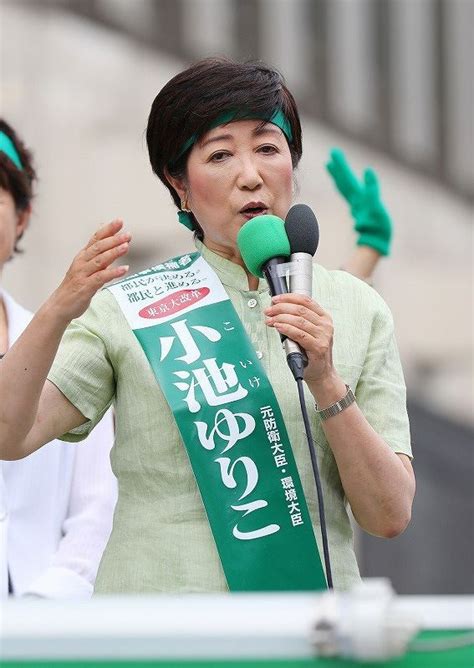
x=177 y=183
x=22 y=221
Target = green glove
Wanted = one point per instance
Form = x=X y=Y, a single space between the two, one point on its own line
x=372 y=221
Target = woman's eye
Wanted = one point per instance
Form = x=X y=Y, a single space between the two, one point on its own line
x=218 y=156
x=268 y=148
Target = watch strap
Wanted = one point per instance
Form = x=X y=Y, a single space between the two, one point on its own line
x=338 y=406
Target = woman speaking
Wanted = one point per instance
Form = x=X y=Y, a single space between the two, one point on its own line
x=216 y=489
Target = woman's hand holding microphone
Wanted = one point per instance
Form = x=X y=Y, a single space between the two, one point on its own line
x=304 y=321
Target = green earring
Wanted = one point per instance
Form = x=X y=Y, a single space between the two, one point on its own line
x=185 y=219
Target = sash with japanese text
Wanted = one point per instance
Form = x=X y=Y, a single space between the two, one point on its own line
x=230 y=423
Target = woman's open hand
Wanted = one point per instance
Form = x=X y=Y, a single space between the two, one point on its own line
x=304 y=321
x=91 y=269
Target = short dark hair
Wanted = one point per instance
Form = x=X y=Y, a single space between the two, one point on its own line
x=189 y=103
x=18 y=182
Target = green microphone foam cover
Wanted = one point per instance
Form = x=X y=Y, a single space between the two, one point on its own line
x=260 y=239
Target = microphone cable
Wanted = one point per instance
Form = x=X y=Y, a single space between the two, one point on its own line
x=317 y=480
x=302 y=229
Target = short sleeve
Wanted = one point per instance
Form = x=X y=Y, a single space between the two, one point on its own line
x=82 y=370
x=381 y=390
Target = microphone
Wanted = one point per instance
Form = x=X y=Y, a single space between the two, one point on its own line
x=302 y=230
x=263 y=245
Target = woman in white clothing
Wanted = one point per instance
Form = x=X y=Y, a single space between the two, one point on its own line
x=56 y=505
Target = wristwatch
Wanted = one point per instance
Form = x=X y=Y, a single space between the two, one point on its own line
x=337 y=407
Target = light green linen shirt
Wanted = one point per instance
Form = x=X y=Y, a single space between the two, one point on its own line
x=161 y=540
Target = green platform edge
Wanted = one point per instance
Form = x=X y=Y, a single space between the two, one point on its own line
x=461 y=657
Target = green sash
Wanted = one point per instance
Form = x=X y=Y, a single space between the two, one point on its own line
x=230 y=422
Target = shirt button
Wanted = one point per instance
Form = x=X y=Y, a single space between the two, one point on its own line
x=252 y=303
x=259 y=354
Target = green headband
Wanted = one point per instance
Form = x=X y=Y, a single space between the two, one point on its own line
x=278 y=118
x=7 y=147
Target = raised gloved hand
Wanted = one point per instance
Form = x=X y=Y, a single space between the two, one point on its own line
x=372 y=222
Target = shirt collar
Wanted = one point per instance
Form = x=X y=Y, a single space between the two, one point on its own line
x=230 y=274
